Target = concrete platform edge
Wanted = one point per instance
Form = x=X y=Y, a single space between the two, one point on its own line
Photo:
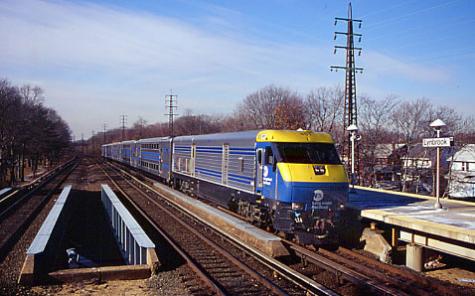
x=273 y=247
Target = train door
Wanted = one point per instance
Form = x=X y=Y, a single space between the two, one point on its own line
x=135 y=154
x=266 y=171
x=193 y=159
x=259 y=166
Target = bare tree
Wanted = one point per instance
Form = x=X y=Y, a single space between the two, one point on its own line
x=28 y=130
x=190 y=124
x=374 y=123
x=411 y=119
x=324 y=109
x=258 y=109
x=289 y=114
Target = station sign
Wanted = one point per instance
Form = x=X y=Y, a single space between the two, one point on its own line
x=438 y=142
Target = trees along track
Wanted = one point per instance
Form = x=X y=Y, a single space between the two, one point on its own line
x=20 y=209
x=226 y=266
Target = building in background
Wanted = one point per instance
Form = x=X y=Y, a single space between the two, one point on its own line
x=418 y=168
x=461 y=176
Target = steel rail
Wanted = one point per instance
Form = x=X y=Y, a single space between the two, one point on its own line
x=341 y=270
x=35 y=185
x=23 y=225
x=191 y=263
x=306 y=283
x=375 y=279
x=213 y=245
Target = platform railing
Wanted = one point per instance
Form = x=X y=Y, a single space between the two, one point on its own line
x=135 y=245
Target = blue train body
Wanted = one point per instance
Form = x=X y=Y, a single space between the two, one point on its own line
x=290 y=180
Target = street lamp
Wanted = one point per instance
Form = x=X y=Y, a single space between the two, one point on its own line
x=437 y=125
x=352 y=129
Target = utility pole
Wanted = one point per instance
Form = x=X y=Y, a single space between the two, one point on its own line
x=350 y=113
x=123 y=122
x=104 y=129
x=171 y=106
x=92 y=141
x=82 y=143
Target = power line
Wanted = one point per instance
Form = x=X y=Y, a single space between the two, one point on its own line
x=388 y=8
x=395 y=19
x=171 y=106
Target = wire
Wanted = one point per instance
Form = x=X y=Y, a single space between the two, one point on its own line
x=391 y=20
x=386 y=9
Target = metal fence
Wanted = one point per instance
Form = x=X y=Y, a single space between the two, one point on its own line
x=132 y=240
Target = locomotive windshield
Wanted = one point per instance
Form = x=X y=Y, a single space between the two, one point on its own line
x=321 y=153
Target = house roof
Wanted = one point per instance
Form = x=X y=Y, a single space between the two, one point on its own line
x=466 y=153
x=418 y=152
x=385 y=150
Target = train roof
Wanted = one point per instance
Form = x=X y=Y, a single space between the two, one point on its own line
x=290 y=136
x=233 y=136
x=111 y=144
x=154 y=140
x=128 y=142
x=286 y=136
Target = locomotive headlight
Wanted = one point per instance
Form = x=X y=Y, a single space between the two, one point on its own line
x=298 y=206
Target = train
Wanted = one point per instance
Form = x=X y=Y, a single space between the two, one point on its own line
x=292 y=182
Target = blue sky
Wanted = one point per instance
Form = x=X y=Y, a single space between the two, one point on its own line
x=99 y=59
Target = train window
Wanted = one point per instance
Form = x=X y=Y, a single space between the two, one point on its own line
x=317 y=153
x=269 y=156
x=259 y=156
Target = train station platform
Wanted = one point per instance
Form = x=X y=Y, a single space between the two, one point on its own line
x=414 y=219
x=267 y=243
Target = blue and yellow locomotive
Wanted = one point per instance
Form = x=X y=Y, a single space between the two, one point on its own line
x=292 y=181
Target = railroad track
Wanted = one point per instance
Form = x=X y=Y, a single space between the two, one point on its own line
x=24 y=205
x=353 y=273
x=9 y=201
x=224 y=265
x=401 y=279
